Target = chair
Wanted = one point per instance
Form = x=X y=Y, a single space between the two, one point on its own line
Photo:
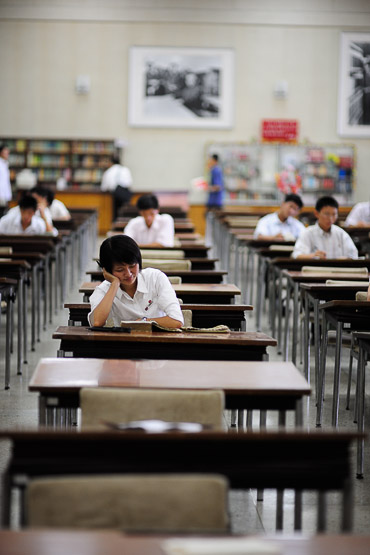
x=163 y=253
x=135 y=503
x=125 y=405
x=188 y=318
x=175 y=280
x=335 y=270
x=164 y=265
x=6 y=250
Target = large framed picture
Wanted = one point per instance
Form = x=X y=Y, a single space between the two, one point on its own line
x=354 y=85
x=181 y=87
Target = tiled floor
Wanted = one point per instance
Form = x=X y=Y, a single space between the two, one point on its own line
x=18 y=408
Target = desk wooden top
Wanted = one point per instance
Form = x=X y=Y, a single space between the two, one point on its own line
x=252 y=378
x=243 y=338
x=321 y=276
x=207 y=289
x=290 y=263
x=185 y=306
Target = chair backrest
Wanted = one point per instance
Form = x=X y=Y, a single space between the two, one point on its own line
x=188 y=318
x=166 y=254
x=175 y=280
x=176 y=502
x=341 y=283
x=6 y=250
x=125 y=405
x=164 y=265
x=286 y=248
x=361 y=296
x=331 y=269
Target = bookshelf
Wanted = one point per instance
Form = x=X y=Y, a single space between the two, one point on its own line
x=81 y=162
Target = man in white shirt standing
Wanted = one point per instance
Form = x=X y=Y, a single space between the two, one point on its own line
x=23 y=220
x=359 y=215
x=151 y=229
x=282 y=224
x=5 y=187
x=324 y=239
x=117 y=179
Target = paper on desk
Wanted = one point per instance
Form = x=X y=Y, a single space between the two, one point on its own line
x=220 y=546
x=157 y=426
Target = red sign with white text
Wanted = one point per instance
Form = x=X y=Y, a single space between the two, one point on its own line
x=279 y=130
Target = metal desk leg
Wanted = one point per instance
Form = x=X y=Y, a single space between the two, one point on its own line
x=337 y=368
x=317 y=340
x=295 y=333
x=9 y=309
x=19 y=325
x=361 y=411
x=306 y=337
x=321 y=374
x=280 y=314
x=286 y=323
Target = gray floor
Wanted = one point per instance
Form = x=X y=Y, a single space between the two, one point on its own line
x=18 y=408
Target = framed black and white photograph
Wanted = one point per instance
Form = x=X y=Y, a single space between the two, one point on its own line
x=181 y=87
x=354 y=85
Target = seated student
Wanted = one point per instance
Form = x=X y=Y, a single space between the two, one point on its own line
x=359 y=215
x=130 y=293
x=41 y=195
x=283 y=223
x=22 y=219
x=151 y=229
x=324 y=239
x=58 y=209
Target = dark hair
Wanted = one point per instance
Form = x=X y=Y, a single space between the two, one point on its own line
x=294 y=198
x=215 y=157
x=326 y=201
x=40 y=190
x=146 y=202
x=2 y=146
x=49 y=196
x=27 y=201
x=115 y=159
x=117 y=250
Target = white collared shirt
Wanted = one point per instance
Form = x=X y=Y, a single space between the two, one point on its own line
x=17 y=211
x=161 y=231
x=272 y=225
x=116 y=175
x=5 y=187
x=154 y=297
x=359 y=213
x=59 y=211
x=10 y=224
x=336 y=243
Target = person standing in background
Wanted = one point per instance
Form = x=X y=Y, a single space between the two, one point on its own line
x=5 y=187
x=216 y=183
x=117 y=179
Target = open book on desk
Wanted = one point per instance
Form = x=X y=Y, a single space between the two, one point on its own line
x=145 y=326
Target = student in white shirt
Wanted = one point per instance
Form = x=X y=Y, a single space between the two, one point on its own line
x=151 y=229
x=130 y=293
x=117 y=179
x=359 y=215
x=58 y=209
x=324 y=239
x=282 y=224
x=5 y=187
x=22 y=219
x=41 y=195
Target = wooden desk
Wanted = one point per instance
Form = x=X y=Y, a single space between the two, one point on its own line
x=190 y=293
x=55 y=542
x=83 y=343
x=294 y=278
x=313 y=294
x=354 y=316
x=297 y=460
x=18 y=270
x=187 y=276
x=7 y=294
x=204 y=315
x=247 y=385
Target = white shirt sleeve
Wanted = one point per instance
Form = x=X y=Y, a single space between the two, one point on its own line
x=303 y=244
x=131 y=229
x=167 y=301
x=261 y=228
x=349 y=248
x=166 y=235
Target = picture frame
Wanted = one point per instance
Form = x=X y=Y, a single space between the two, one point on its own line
x=181 y=87
x=354 y=85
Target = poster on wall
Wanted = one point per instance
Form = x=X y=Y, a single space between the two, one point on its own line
x=181 y=87
x=354 y=85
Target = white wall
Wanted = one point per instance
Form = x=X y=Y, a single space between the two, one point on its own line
x=44 y=48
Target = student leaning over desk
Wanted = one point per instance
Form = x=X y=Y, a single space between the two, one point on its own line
x=130 y=293
x=324 y=239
